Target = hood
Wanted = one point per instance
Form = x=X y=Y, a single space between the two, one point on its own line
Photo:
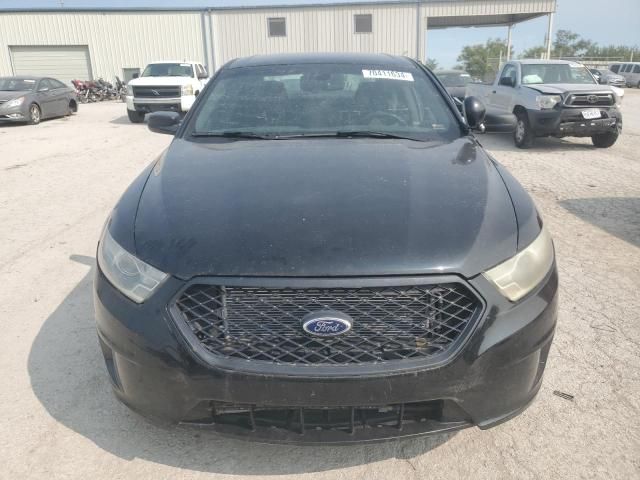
x=151 y=81
x=324 y=207
x=6 y=96
x=561 y=88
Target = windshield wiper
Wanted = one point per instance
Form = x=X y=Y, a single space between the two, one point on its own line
x=232 y=135
x=349 y=134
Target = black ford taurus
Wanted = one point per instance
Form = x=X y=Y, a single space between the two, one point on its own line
x=325 y=253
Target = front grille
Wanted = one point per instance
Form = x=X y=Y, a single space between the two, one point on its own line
x=590 y=100
x=156 y=92
x=389 y=323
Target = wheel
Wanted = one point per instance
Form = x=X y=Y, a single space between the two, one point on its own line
x=34 y=114
x=523 y=136
x=73 y=108
x=605 y=140
x=135 y=116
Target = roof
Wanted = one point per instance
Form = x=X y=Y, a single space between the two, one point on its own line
x=453 y=70
x=171 y=61
x=220 y=5
x=537 y=61
x=23 y=77
x=298 y=58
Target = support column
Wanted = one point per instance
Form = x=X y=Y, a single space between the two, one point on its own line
x=549 y=31
x=509 y=42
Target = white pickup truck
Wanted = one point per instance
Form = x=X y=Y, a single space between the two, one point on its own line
x=553 y=98
x=171 y=86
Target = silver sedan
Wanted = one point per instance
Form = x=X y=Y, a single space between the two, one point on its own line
x=31 y=99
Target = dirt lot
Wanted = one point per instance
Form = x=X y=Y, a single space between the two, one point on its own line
x=58 y=418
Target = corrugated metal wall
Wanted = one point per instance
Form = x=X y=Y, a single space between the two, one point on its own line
x=115 y=40
x=315 y=29
x=121 y=39
x=480 y=7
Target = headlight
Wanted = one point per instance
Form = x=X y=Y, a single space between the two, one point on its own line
x=548 y=101
x=130 y=90
x=16 y=102
x=187 y=90
x=522 y=273
x=130 y=275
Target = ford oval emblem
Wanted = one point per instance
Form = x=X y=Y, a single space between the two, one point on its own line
x=326 y=323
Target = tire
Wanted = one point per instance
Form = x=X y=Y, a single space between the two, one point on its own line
x=605 y=140
x=135 y=117
x=35 y=114
x=523 y=135
x=73 y=108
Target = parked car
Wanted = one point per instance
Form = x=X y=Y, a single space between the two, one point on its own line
x=630 y=71
x=554 y=98
x=169 y=86
x=32 y=99
x=607 y=77
x=455 y=81
x=330 y=259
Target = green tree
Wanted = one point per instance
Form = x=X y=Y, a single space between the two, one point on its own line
x=481 y=61
x=534 y=52
x=431 y=63
x=570 y=44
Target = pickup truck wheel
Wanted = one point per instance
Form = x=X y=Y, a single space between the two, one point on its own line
x=523 y=136
x=135 y=116
x=605 y=140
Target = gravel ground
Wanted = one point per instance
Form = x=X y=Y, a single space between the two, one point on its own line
x=58 y=418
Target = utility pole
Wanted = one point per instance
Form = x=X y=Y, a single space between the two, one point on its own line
x=509 y=43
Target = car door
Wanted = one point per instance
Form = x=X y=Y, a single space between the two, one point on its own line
x=504 y=91
x=634 y=76
x=45 y=97
x=202 y=75
x=60 y=96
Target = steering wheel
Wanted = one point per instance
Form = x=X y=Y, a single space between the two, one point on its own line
x=389 y=116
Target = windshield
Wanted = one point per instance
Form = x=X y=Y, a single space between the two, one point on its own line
x=455 y=79
x=16 y=84
x=308 y=99
x=556 y=73
x=168 y=70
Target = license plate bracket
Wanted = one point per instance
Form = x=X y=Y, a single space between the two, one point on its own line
x=591 y=113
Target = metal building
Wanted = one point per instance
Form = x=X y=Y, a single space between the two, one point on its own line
x=90 y=43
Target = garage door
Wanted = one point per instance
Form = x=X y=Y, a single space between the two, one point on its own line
x=65 y=63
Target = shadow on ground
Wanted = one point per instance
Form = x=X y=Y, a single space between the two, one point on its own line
x=503 y=142
x=124 y=120
x=69 y=378
x=619 y=216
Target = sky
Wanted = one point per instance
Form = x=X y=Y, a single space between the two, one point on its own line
x=606 y=22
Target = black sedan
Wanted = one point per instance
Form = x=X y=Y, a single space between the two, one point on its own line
x=325 y=253
x=455 y=81
x=32 y=99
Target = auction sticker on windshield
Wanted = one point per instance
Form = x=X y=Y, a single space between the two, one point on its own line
x=388 y=74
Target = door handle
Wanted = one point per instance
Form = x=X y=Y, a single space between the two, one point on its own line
x=494 y=91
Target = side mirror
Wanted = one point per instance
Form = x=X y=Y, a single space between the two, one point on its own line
x=135 y=75
x=474 y=112
x=164 y=122
x=500 y=122
x=507 y=82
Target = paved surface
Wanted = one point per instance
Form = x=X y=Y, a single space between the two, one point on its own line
x=58 y=418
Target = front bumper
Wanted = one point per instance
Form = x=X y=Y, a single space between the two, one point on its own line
x=150 y=104
x=569 y=122
x=496 y=374
x=14 y=114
